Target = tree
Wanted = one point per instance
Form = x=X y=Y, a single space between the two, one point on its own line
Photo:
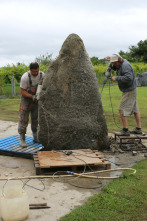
x=127 y=55
x=94 y=60
x=44 y=59
x=139 y=52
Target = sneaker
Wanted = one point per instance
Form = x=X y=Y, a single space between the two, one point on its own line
x=136 y=131
x=123 y=133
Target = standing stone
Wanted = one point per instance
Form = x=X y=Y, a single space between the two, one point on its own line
x=70 y=109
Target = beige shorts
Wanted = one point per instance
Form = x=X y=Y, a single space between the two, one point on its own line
x=129 y=104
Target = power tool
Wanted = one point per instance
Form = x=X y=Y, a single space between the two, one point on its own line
x=107 y=75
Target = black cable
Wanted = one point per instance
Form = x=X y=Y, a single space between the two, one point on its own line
x=112 y=107
x=96 y=187
x=102 y=88
x=65 y=152
x=25 y=184
x=71 y=152
x=110 y=103
x=77 y=176
x=98 y=157
x=117 y=164
x=76 y=185
x=84 y=154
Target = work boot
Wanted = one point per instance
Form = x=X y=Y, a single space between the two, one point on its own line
x=136 y=131
x=35 y=140
x=123 y=133
x=22 y=140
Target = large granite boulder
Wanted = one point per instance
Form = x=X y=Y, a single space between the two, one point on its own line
x=70 y=109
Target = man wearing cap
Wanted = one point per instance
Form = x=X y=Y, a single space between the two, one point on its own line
x=29 y=104
x=127 y=84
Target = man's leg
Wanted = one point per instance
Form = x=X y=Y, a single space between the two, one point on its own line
x=34 y=121
x=123 y=111
x=22 y=126
x=137 y=130
x=137 y=118
x=124 y=119
x=124 y=131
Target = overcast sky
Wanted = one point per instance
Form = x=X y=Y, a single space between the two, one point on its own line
x=29 y=28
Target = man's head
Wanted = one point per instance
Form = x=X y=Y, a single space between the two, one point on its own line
x=34 y=68
x=116 y=60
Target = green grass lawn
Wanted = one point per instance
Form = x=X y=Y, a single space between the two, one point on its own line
x=124 y=199
x=9 y=108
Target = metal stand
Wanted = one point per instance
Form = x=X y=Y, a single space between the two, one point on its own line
x=131 y=137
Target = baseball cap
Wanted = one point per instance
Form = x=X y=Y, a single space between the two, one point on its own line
x=114 y=58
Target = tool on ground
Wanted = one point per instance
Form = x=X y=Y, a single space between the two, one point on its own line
x=39 y=206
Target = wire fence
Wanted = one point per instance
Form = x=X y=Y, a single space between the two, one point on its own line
x=9 y=90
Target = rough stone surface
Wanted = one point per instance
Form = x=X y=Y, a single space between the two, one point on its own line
x=70 y=108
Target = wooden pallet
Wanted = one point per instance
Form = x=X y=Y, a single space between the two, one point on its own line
x=49 y=162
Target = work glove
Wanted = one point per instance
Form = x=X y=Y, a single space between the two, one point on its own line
x=34 y=98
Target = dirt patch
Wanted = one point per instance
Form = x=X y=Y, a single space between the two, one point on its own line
x=61 y=197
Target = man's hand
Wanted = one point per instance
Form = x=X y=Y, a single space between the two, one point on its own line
x=34 y=98
x=113 y=78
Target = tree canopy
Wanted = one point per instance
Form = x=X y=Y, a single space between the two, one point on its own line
x=44 y=59
x=136 y=53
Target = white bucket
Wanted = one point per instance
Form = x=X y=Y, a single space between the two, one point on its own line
x=14 y=204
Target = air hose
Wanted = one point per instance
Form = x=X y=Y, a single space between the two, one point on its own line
x=85 y=175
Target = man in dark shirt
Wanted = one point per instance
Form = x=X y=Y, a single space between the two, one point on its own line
x=127 y=84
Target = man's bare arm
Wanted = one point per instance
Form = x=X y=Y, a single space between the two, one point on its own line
x=25 y=93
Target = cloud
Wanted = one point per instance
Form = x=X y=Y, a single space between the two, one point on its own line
x=30 y=28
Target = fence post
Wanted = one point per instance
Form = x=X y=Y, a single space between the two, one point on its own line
x=13 y=85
